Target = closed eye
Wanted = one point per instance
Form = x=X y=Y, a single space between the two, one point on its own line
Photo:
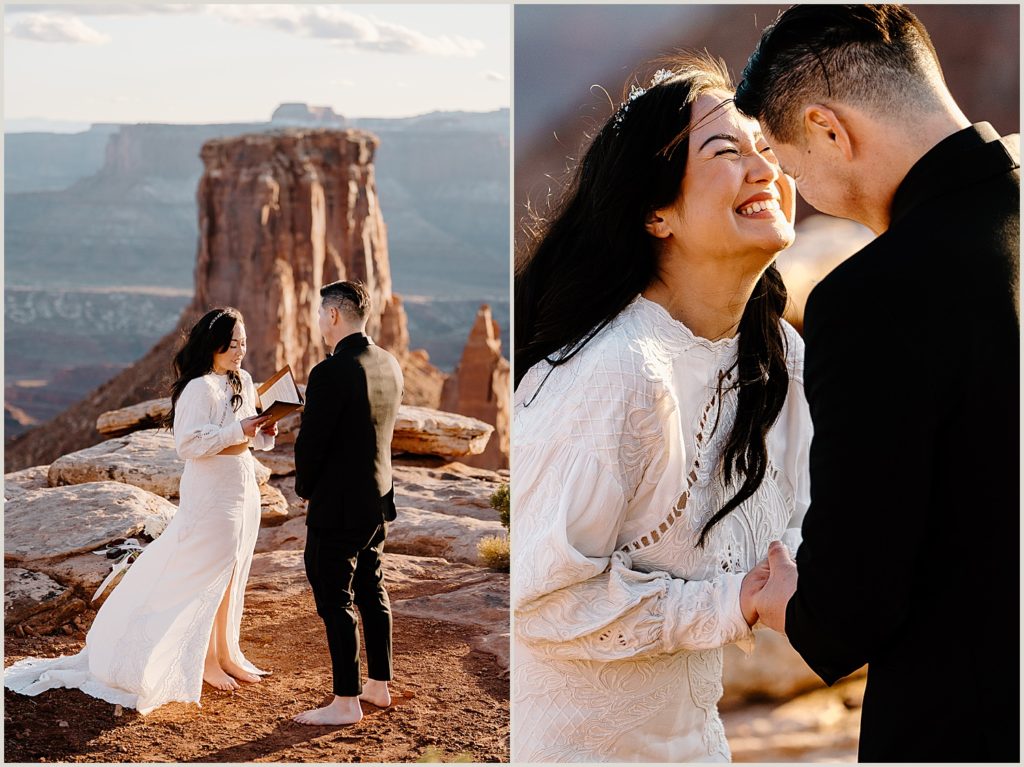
x=727 y=151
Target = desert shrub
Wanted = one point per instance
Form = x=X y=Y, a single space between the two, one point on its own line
x=494 y=552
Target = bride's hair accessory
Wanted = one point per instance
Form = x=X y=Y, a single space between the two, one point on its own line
x=216 y=317
x=661 y=76
x=635 y=92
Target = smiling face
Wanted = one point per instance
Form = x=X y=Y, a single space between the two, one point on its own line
x=231 y=359
x=734 y=200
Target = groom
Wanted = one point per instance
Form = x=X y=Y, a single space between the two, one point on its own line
x=910 y=552
x=343 y=468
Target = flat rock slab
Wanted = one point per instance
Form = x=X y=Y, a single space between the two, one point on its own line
x=280 y=461
x=284 y=571
x=82 y=572
x=54 y=523
x=273 y=506
x=481 y=601
x=429 y=534
x=145 y=415
x=454 y=489
x=145 y=459
x=18 y=482
x=433 y=432
x=418 y=430
x=496 y=644
x=36 y=601
x=288 y=536
x=296 y=505
x=278 y=571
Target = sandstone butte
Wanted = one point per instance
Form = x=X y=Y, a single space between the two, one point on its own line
x=480 y=386
x=280 y=214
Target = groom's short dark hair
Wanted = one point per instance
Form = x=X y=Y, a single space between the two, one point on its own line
x=877 y=57
x=352 y=298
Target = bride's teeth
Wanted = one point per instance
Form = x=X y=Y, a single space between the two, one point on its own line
x=757 y=207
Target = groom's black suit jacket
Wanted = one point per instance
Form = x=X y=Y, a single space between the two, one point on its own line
x=343 y=451
x=910 y=552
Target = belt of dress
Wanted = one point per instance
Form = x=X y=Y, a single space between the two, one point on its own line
x=235 y=449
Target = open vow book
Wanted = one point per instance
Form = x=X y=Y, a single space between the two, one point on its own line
x=279 y=396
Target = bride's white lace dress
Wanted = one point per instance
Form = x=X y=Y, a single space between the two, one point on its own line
x=619 y=617
x=147 y=644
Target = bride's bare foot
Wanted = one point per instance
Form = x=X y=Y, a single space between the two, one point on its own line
x=240 y=673
x=339 y=711
x=214 y=676
x=376 y=692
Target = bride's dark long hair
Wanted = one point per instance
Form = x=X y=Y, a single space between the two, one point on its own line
x=581 y=265
x=211 y=335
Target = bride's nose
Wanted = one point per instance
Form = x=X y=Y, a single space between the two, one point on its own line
x=760 y=169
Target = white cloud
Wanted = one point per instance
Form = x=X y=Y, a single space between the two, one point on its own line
x=493 y=76
x=50 y=28
x=347 y=29
x=105 y=9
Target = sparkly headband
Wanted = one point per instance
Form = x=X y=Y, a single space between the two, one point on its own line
x=635 y=92
x=216 y=317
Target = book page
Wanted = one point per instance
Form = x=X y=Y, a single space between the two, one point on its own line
x=282 y=390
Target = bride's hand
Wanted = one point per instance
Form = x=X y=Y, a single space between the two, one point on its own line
x=752 y=583
x=251 y=424
x=270 y=431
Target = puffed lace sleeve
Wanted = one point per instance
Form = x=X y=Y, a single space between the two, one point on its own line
x=260 y=441
x=581 y=458
x=796 y=429
x=197 y=432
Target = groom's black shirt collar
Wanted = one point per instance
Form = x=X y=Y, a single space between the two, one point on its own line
x=966 y=156
x=353 y=341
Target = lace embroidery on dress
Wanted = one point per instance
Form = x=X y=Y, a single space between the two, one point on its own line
x=593 y=691
x=616 y=648
x=705 y=428
x=704 y=671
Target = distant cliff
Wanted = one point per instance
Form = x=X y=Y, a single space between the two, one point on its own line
x=98 y=223
x=279 y=215
x=480 y=388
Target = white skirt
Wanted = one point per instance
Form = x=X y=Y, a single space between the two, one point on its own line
x=148 y=642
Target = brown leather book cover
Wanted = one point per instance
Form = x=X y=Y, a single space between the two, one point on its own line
x=285 y=397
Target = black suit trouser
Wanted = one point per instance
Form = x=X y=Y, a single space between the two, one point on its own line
x=344 y=570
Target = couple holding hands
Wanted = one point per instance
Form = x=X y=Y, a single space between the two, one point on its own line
x=664 y=470
x=173 y=621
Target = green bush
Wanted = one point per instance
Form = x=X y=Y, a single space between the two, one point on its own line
x=499 y=501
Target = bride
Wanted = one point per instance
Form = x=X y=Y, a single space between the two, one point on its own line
x=660 y=430
x=173 y=620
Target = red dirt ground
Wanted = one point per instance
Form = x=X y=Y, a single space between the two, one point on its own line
x=451 y=702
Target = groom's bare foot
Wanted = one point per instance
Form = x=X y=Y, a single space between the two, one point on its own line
x=240 y=673
x=215 y=676
x=339 y=711
x=376 y=692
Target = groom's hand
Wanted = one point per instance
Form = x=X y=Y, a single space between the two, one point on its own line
x=770 y=602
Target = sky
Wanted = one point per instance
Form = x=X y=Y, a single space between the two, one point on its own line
x=210 y=63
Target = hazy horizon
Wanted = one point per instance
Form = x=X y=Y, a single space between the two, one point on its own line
x=11 y=125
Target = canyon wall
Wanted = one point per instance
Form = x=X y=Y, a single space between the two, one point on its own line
x=280 y=215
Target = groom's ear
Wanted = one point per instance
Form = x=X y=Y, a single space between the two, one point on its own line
x=825 y=127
